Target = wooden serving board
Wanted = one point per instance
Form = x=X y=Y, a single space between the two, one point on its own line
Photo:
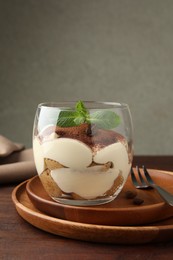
x=121 y=211
x=158 y=232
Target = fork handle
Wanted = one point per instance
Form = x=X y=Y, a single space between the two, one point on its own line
x=164 y=194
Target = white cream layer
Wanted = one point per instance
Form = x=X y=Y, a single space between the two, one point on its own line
x=68 y=152
x=38 y=155
x=88 y=182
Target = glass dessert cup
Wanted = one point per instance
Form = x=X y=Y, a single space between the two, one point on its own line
x=83 y=151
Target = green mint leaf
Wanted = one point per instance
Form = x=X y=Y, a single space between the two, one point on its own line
x=79 y=120
x=102 y=118
x=80 y=108
x=73 y=118
x=67 y=118
x=105 y=119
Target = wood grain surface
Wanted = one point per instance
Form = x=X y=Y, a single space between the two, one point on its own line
x=89 y=232
x=122 y=211
x=21 y=240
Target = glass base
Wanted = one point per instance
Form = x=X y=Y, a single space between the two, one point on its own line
x=93 y=202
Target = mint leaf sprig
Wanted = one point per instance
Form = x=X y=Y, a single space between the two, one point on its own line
x=105 y=119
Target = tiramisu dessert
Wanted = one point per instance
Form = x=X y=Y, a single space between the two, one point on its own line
x=79 y=159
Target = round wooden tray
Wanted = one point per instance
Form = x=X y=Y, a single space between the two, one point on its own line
x=158 y=232
x=120 y=211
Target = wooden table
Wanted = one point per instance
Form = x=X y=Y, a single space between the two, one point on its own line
x=20 y=240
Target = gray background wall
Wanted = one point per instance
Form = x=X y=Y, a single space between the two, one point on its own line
x=111 y=50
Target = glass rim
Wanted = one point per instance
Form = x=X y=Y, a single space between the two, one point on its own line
x=86 y=102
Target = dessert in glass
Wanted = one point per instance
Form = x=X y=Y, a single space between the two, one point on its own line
x=83 y=151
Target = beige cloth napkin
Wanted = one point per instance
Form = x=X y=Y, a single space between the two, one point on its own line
x=16 y=162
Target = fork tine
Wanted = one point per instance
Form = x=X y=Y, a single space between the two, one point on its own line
x=168 y=197
x=133 y=177
x=140 y=176
x=142 y=184
x=148 y=177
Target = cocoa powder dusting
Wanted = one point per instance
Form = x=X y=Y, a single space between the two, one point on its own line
x=99 y=138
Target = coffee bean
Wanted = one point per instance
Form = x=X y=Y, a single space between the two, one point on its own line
x=130 y=194
x=138 y=201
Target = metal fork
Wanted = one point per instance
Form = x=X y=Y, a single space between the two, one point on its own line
x=149 y=184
